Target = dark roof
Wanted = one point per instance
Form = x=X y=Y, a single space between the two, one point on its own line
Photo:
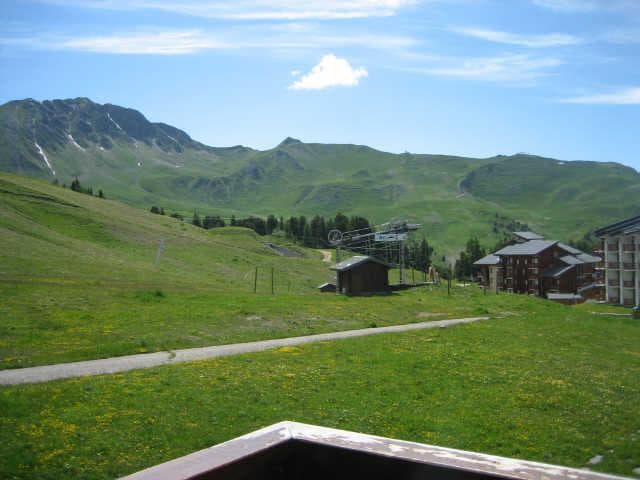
x=557 y=272
x=569 y=248
x=571 y=260
x=630 y=225
x=532 y=247
x=355 y=261
x=490 y=259
x=529 y=235
x=586 y=258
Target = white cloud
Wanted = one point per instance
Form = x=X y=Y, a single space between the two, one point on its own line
x=255 y=9
x=586 y=6
x=295 y=73
x=154 y=43
x=507 y=68
x=533 y=41
x=330 y=72
x=628 y=96
x=181 y=42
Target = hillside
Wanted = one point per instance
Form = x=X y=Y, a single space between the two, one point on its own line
x=54 y=234
x=144 y=163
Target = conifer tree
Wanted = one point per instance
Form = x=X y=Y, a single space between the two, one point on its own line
x=196 y=220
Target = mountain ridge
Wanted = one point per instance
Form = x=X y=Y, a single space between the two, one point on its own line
x=153 y=163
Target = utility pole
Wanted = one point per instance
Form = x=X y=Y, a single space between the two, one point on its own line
x=337 y=272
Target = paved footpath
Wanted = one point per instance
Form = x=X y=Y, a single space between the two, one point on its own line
x=145 y=360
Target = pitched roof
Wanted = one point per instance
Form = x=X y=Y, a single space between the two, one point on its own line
x=490 y=259
x=630 y=225
x=569 y=248
x=353 y=262
x=529 y=235
x=586 y=258
x=532 y=247
x=571 y=260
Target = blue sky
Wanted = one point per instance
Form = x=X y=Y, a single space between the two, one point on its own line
x=559 y=78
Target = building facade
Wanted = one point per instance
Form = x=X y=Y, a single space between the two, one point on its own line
x=535 y=266
x=621 y=266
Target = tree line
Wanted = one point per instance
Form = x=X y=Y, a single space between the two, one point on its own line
x=77 y=187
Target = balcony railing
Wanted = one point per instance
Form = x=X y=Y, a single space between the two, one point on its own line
x=612 y=248
x=628 y=266
x=613 y=283
x=628 y=247
x=629 y=284
x=613 y=265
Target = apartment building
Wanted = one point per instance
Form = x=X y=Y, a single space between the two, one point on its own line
x=621 y=251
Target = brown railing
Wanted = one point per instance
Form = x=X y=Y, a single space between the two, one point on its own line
x=612 y=248
x=629 y=283
x=614 y=283
x=628 y=265
x=628 y=247
x=614 y=265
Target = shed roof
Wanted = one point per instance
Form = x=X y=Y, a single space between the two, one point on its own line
x=532 y=247
x=630 y=225
x=353 y=262
x=490 y=259
x=529 y=235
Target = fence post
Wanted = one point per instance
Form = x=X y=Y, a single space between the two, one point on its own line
x=255 y=281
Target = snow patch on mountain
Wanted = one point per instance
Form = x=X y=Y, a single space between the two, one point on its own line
x=114 y=122
x=44 y=157
x=73 y=141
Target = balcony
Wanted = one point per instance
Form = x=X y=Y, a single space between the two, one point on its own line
x=294 y=450
x=612 y=248
x=613 y=265
x=628 y=247
x=629 y=284
x=613 y=283
x=628 y=266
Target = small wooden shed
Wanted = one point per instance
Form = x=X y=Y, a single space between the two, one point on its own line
x=361 y=275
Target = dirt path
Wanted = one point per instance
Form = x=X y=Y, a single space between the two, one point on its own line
x=326 y=256
x=145 y=360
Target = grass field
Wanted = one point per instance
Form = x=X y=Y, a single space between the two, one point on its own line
x=79 y=280
x=540 y=381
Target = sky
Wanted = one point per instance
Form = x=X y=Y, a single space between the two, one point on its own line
x=558 y=78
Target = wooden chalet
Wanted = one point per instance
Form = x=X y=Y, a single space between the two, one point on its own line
x=361 y=275
x=535 y=266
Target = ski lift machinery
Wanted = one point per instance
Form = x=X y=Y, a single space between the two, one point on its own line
x=391 y=235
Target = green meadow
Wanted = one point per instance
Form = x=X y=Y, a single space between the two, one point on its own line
x=83 y=278
x=541 y=381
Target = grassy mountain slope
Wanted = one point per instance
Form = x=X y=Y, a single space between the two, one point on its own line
x=144 y=164
x=79 y=280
